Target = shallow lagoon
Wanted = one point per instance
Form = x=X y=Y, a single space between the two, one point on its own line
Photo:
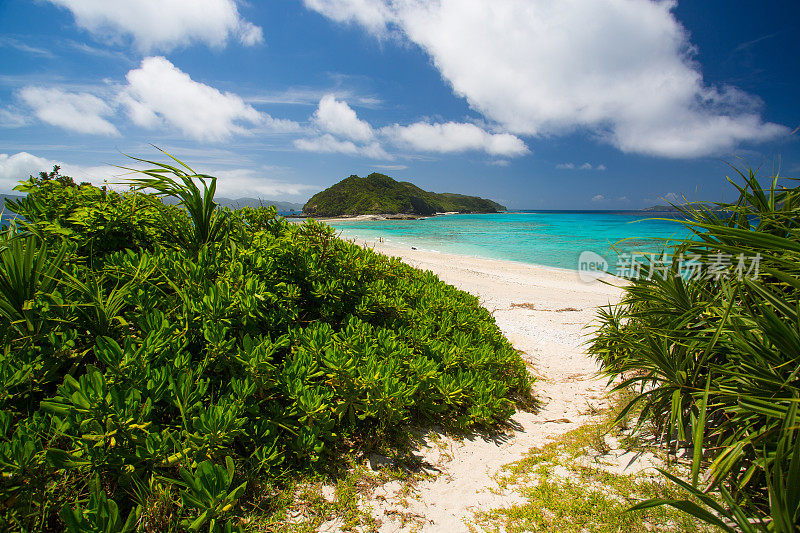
x=549 y=238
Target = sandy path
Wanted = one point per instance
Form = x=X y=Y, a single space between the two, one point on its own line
x=543 y=312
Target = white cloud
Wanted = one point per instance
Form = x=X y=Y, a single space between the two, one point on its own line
x=16 y=167
x=584 y=166
x=19 y=166
x=499 y=162
x=455 y=137
x=339 y=118
x=373 y=15
x=11 y=118
x=26 y=48
x=164 y=24
x=242 y=182
x=311 y=96
x=81 y=112
x=622 y=69
x=598 y=198
x=327 y=143
x=250 y=34
x=160 y=93
x=343 y=132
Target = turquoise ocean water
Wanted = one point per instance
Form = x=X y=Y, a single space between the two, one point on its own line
x=549 y=238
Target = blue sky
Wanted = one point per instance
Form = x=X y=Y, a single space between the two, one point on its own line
x=572 y=104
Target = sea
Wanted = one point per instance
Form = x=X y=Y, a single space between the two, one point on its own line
x=547 y=238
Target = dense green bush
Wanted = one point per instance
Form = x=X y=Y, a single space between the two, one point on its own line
x=716 y=357
x=159 y=363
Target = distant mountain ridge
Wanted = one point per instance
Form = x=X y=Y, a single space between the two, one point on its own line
x=379 y=194
x=238 y=203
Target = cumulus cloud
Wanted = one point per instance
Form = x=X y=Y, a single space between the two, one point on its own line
x=598 y=198
x=327 y=143
x=337 y=117
x=341 y=131
x=164 y=24
x=373 y=15
x=455 y=137
x=159 y=93
x=80 y=112
x=622 y=69
x=16 y=167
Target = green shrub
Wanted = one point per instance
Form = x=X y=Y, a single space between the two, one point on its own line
x=159 y=360
x=716 y=359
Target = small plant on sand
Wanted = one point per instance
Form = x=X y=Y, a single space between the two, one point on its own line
x=567 y=486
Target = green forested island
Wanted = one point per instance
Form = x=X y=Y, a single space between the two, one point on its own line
x=380 y=194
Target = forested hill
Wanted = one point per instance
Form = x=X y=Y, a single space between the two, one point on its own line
x=380 y=194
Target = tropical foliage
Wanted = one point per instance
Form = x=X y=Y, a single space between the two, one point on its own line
x=716 y=357
x=162 y=364
x=380 y=194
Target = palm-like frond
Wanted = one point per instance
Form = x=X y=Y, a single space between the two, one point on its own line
x=27 y=267
x=717 y=359
x=180 y=183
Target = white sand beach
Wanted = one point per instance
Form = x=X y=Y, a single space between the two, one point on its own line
x=544 y=312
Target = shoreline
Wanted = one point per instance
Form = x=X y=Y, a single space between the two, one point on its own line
x=396 y=250
x=381 y=216
x=401 y=249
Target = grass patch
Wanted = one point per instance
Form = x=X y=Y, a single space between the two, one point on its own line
x=568 y=486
